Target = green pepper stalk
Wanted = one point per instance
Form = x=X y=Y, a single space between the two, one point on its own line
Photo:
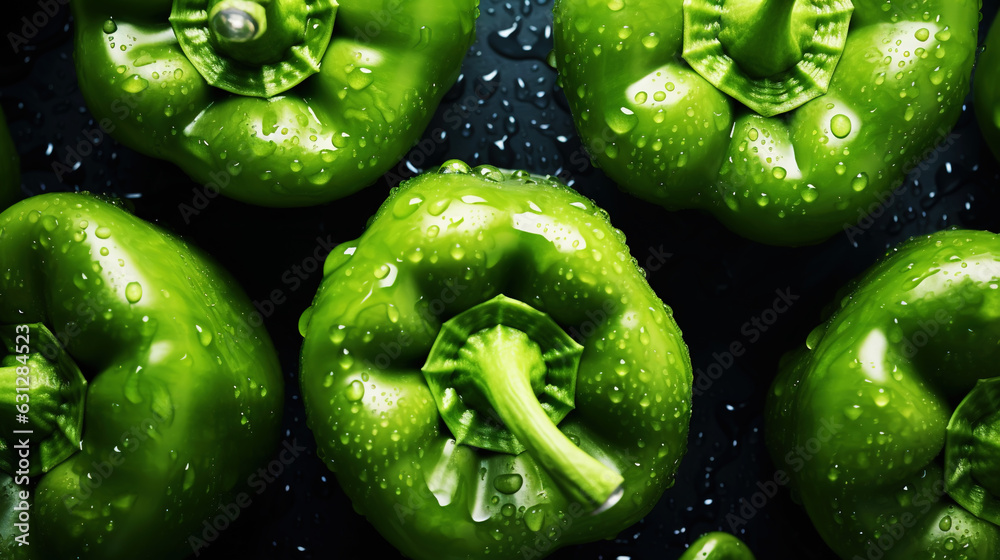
x=254 y=47
x=273 y=102
x=148 y=396
x=895 y=401
x=504 y=365
x=446 y=393
x=787 y=120
x=41 y=399
x=761 y=36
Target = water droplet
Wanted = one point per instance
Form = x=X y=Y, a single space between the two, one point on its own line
x=338 y=333
x=188 y=477
x=809 y=194
x=779 y=173
x=204 y=336
x=123 y=502
x=405 y=207
x=922 y=34
x=616 y=395
x=860 y=182
x=360 y=78
x=508 y=483
x=533 y=518
x=621 y=120
x=133 y=292
x=103 y=232
x=438 y=206
x=355 y=391
x=304 y=320
x=345 y=361
x=135 y=83
x=945 y=523
x=840 y=125
x=109 y=26
x=50 y=223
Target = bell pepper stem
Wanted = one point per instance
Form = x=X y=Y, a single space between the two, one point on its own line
x=502 y=359
x=761 y=35
x=8 y=395
x=972 y=451
x=41 y=398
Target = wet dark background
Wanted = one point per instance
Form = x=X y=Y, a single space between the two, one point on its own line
x=514 y=116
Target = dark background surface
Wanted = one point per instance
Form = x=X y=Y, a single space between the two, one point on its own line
x=516 y=117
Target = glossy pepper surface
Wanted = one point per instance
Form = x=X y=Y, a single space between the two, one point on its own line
x=987 y=89
x=488 y=372
x=277 y=103
x=786 y=119
x=150 y=396
x=886 y=420
x=717 y=546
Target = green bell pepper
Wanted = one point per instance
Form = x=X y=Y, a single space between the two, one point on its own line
x=133 y=362
x=10 y=176
x=276 y=103
x=987 y=89
x=717 y=546
x=786 y=119
x=885 y=421
x=445 y=391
